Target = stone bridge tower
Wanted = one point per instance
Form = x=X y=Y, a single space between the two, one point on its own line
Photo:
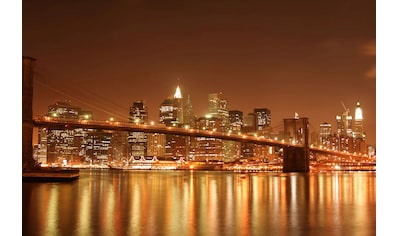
x=296 y=131
x=28 y=64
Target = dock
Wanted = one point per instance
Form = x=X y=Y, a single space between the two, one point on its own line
x=50 y=175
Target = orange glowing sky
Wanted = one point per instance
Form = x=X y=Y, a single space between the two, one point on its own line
x=288 y=56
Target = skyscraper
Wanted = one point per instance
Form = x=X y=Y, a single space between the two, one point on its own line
x=219 y=107
x=167 y=113
x=188 y=117
x=171 y=111
x=138 y=140
x=236 y=120
x=138 y=113
x=344 y=124
x=262 y=118
x=358 y=133
x=325 y=134
x=208 y=148
x=178 y=106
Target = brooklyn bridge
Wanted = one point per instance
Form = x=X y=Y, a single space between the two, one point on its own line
x=297 y=155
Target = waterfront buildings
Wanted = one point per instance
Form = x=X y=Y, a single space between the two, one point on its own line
x=73 y=145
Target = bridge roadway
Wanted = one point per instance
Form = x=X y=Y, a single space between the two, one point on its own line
x=55 y=123
x=48 y=122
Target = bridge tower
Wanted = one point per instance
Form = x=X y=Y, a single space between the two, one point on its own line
x=296 y=131
x=28 y=64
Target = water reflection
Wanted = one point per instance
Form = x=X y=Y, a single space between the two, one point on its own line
x=202 y=203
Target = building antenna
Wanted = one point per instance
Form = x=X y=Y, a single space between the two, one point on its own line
x=342 y=102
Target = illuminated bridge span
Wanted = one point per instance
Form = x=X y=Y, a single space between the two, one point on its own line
x=47 y=122
x=297 y=151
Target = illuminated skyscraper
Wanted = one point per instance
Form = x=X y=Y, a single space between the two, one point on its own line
x=219 y=107
x=171 y=110
x=344 y=124
x=208 y=148
x=172 y=113
x=188 y=117
x=325 y=134
x=138 y=113
x=358 y=133
x=262 y=118
x=178 y=106
x=138 y=140
x=236 y=120
x=167 y=113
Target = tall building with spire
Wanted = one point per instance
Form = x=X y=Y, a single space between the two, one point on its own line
x=358 y=133
x=178 y=103
x=171 y=112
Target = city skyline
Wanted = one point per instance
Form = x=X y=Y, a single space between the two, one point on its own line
x=299 y=57
x=156 y=116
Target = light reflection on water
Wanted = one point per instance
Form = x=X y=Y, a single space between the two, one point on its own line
x=106 y=202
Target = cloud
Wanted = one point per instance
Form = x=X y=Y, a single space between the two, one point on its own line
x=371 y=73
x=369 y=49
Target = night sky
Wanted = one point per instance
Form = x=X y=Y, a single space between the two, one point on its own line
x=289 y=56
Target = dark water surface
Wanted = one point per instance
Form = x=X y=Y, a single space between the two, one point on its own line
x=109 y=202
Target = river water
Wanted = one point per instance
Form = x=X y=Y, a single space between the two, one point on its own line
x=111 y=202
